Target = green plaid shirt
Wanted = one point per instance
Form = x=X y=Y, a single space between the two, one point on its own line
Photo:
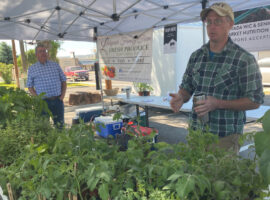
x=230 y=74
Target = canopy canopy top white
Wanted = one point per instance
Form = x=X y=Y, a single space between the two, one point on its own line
x=77 y=20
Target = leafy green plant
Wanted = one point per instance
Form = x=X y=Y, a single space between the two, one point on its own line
x=5 y=53
x=141 y=87
x=14 y=101
x=73 y=161
x=21 y=119
x=182 y=171
x=262 y=141
x=6 y=72
x=19 y=132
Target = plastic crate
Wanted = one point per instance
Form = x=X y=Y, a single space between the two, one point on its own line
x=106 y=126
x=88 y=114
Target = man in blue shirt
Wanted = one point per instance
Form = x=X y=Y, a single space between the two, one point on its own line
x=47 y=77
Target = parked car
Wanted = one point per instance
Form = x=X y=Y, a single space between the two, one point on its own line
x=76 y=73
x=264 y=65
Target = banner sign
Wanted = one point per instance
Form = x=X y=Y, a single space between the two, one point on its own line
x=252 y=29
x=170 y=39
x=125 y=57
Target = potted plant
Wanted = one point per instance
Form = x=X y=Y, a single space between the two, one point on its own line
x=143 y=89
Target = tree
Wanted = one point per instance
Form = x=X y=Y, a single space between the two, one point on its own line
x=52 y=47
x=6 y=72
x=5 y=53
x=31 y=58
x=55 y=45
x=23 y=56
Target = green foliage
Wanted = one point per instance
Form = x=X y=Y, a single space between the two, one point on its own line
x=14 y=101
x=6 y=72
x=55 y=45
x=30 y=56
x=266 y=122
x=21 y=118
x=262 y=141
x=5 y=53
x=18 y=133
x=144 y=171
x=72 y=160
x=140 y=87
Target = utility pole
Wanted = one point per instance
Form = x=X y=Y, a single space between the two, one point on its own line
x=23 y=57
x=15 y=63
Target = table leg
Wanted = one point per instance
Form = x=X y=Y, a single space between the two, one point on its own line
x=138 y=110
x=146 y=116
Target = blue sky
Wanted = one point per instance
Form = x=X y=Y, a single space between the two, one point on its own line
x=80 y=48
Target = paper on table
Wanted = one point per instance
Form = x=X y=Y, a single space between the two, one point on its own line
x=168 y=97
x=148 y=100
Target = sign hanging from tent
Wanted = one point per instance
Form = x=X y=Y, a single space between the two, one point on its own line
x=125 y=57
x=170 y=39
x=252 y=29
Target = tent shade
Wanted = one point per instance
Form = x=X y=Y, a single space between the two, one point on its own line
x=76 y=20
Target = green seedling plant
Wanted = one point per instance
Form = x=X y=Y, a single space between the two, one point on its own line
x=14 y=101
x=21 y=119
x=73 y=161
x=181 y=171
x=140 y=87
x=262 y=141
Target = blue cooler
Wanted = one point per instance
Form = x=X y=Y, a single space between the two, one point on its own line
x=106 y=126
x=88 y=114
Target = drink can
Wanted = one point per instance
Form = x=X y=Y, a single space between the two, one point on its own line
x=198 y=97
x=128 y=90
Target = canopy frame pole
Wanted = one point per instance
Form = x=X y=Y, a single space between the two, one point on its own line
x=43 y=25
x=88 y=8
x=204 y=2
x=77 y=17
x=15 y=63
x=99 y=71
x=59 y=18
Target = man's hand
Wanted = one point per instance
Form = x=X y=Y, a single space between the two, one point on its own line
x=176 y=102
x=32 y=91
x=62 y=97
x=202 y=107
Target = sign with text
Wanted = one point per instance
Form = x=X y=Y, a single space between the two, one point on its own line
x=170 y=39
x=125 y=57
x=252 y=29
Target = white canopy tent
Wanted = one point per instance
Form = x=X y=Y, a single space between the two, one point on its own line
x=78 y=19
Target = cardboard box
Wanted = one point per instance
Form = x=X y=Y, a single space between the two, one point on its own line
x=106 y=126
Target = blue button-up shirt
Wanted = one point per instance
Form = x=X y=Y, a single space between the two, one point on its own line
x=46 y=78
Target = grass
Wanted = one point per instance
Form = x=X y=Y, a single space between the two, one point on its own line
x=266 y=90
x=77 y=84
x=8 y=85
x=68 y=85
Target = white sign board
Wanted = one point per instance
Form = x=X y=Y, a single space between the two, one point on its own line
x=126 y=57
x=252 y=29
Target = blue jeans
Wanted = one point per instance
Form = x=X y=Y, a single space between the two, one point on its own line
x=56 y=106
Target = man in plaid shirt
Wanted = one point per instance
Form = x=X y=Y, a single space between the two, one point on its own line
x=227 y=74
x=47 y=77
